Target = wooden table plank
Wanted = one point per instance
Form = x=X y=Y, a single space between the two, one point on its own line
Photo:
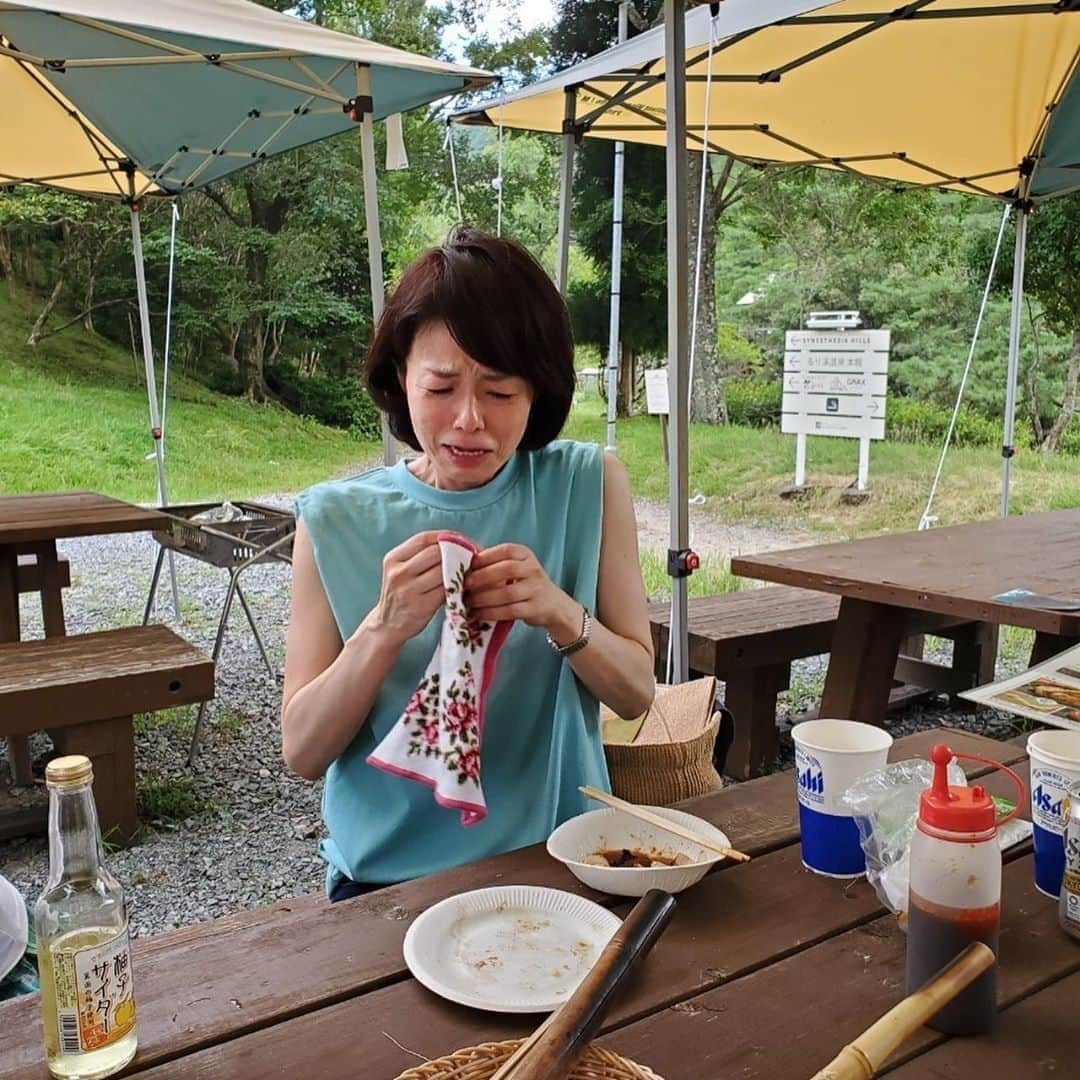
x=953 y=571
x=188 y=980
x=764 y=893
x=791 y=1018
x=724 y=928
x=50 y=516
x=1036 y=1037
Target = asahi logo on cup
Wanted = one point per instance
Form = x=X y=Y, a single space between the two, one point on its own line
x=810 y=778
x=1048 y=799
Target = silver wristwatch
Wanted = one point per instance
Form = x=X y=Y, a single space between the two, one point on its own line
x=578 y=643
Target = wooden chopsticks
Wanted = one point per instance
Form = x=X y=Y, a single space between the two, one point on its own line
x=672 y=827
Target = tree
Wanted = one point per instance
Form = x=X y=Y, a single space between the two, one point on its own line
x=583 y=28
x=1052 y=281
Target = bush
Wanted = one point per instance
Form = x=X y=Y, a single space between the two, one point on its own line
x=754 y=402
x=341 y=403
x=911 y=421
x=757 y=402
x=222 y=379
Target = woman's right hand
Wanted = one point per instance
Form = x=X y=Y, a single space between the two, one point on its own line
x=412 y=588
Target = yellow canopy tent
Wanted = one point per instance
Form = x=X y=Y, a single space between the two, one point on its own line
x=980 y=96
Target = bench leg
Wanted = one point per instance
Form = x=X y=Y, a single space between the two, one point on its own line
x=18 y=745
x=1047 y=645
x=975 y=654
x=110 y=745
x=750 y=696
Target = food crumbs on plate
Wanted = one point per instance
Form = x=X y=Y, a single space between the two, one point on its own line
x=581 y=949
x=527 y=925
x=487 y=961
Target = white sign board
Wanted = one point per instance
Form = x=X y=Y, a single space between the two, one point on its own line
x=656 y=392
x=834 y=384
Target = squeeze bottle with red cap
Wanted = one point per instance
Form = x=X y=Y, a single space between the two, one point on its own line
x=955 y=892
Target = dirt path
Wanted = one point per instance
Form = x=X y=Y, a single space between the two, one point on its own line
x=711 y=537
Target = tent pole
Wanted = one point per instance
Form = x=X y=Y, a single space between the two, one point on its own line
x=566 y=184
x=616 y=265
x=1007 y=448
x=371 y=218
x=677 y=223
x=151 y=378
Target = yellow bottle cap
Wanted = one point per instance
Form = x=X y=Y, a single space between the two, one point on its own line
x=69 y=771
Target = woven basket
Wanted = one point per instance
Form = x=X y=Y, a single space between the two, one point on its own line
x=482 y=1062
x=659 y=774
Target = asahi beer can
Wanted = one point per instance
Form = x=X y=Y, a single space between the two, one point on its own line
x=1069 y=902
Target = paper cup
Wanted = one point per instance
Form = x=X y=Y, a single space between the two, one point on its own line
x=1055 y=764
x=830 y=755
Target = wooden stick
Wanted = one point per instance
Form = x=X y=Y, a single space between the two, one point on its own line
x=672 y=827
x=563 y=1041
x=506 y=1070
x=861 y=1059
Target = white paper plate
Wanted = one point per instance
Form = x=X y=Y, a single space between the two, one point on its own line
x=513 y=948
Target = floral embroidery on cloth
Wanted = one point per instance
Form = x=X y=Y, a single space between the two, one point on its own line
x=437 y=739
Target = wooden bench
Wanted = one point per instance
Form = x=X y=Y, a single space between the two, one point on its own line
x=84 y=690
x=748 y=639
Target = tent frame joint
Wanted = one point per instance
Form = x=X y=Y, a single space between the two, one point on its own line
x=577 y=128
x=356 y=108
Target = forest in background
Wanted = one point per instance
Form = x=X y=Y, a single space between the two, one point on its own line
x=271 y=296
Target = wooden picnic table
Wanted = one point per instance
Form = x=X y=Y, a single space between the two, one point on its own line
x=886 y=582
x=765 y=971
x=31 y=525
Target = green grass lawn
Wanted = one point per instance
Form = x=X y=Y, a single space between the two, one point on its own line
x=741 y=470
x=73 y=415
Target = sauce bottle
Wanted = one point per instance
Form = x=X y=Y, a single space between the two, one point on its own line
x=85 y=962
x=955 y=891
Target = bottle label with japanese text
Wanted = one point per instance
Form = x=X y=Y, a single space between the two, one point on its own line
x=95 y=1004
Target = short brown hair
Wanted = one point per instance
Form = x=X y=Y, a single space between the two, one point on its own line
x=500 y=307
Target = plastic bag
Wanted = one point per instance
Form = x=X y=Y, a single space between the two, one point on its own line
x=885 y=804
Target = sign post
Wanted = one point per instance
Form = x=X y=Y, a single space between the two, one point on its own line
x=656 y=402
x=834 y=384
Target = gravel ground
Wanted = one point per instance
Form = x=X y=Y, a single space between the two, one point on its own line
x=239 y=830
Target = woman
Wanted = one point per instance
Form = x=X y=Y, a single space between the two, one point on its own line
x=472 y=362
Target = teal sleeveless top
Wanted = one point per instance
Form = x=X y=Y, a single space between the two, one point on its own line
x=541 y=727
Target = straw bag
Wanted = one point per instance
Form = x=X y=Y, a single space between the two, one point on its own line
x=668 y=755
x=482 y=1062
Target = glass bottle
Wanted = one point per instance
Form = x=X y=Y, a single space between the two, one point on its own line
x=87 y=998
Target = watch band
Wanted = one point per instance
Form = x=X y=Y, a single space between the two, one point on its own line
x=578 y=643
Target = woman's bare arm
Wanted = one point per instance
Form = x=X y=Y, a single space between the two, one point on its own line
x=617 y=664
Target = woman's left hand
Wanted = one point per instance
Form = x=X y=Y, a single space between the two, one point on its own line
x=508 y=582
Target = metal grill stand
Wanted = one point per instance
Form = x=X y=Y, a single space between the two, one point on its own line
x=259 y=534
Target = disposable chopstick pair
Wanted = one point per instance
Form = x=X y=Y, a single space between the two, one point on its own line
x=673 y=827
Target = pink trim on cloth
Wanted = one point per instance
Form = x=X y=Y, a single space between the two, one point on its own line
x=437 y=739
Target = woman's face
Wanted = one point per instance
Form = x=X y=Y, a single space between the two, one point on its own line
x=468 y=419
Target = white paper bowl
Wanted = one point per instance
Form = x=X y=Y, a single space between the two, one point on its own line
x=609 y=828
